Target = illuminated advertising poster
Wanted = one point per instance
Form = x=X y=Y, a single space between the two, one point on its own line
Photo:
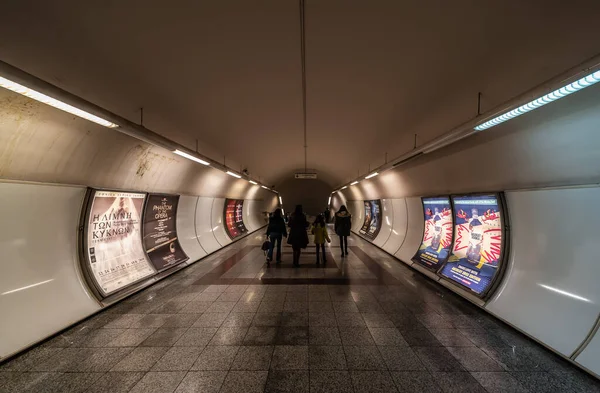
x=114 y=248
x=234 y=218
x=477 y=247
x=367 y=221
x=372 y=223
x=160 y=231
x=437 y=236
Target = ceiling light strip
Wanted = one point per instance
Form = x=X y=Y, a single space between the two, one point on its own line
x=557 y=94
x=35 y=95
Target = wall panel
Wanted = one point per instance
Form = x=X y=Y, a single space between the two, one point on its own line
x=186 y=228
x=204 y=229
x=590 y=357
x=551 y=289
x=41 y=289
x=414 y=234
x=400 y=226
x=217 y=224
x=387 y=222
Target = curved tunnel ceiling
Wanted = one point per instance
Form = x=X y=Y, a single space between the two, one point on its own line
x=227 y=75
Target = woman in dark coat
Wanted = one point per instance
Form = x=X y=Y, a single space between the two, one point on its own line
x=298 y=238
x=276 y=231
x=343 y=224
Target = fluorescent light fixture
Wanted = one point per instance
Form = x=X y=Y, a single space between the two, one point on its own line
x=372 y=175
x=26 y=287
x=190 y=157
x=26 y=91
x=343 y=188
x=253 y=182
x=353 y=183
x=565 y=293
x=233 y=174
x=546 y=99
x=329 y=201
x=265 y=187
x=280 y=201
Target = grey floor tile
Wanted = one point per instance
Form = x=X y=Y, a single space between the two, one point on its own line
x=196 y=337
x=229 y=296
x=290 y=357
x=484 y=339
x=215 y=289
x=377 y=320
x=458 y=382
x=474 y=359
x=353 y=319
x=207 y=297
x=344 y=307
x=579 y=381
x=420 y=338
x=264 y=335
x=539 y=382
x=320 y=307
x=221 y=307
x=216 y=358
x=150 y=321
x=180 y=320
x=12 y=381
x=293 y=307
x=197 y=308
x=292 y=335
x=322 y=320
x=372 y=381
x=499 y=382
x=253 y=358
x=100 y=338
x=123 y=321
x=319 y=335
x=327 y=357
x=401 y=359
x=356 y=335
x=451 y=338
x=131 y=337
x=415 y=382
x=287 y=381
x=270 y=306
x=68 y=382
x=294 y=319
x=364 y=358
x=437 y=359
x=103 y=359
x=238 y=319
x=159 y=382
x=330 y=381
x=319 y=296
x=434 y=321
x=140 y=359
x=406 y=322
x=115 y=382
x=245 y=307
x=245 y=382
x=512 y=359
x=171 y=307
x=229 y=336
x=267 y=319
x=178 y=359
x=388 y=337
x=211 y=320
x=164 y=337
x=30 y=358
x=69 y=359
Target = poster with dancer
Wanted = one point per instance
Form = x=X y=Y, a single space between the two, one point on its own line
x=160 y=231
x=372 y=223
x=477 y=249
x=113 y=243
x=437 y=234
x=367 y=221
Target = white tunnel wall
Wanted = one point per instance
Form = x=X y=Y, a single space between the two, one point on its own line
x=387 y=220
x=204 y=226
x=400 y=226
x=550 y=289
x=41 y=289
x=186 y=228
x=218 y=226
x=252 y=215
x=553 y=264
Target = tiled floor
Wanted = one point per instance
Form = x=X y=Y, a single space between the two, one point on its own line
x=364 y=323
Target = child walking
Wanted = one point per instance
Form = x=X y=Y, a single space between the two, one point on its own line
x=320 y=231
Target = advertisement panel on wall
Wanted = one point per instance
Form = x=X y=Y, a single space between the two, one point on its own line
x=160 y=231
x=478 y=239
x=372 y=223
x=113 y=240
x=437 y=234
x=234 y=218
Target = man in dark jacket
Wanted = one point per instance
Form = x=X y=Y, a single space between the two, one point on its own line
x=343 y=224
x=276 y=231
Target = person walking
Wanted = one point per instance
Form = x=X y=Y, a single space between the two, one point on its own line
x=298 y=238
x=275 y=232
x=320 y=231
x=342 y=226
